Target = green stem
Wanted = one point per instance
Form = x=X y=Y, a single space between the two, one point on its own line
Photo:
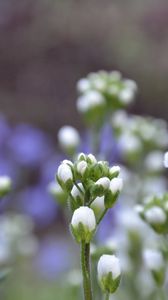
x=107 y=297
x=102 y=216
x=85 y=264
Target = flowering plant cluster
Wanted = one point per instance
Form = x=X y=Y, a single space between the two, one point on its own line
x=86 y=181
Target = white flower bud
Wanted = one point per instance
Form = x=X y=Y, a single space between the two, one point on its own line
x=109 y=273
x=104 y=182
x=5 y=185
x=131 y=84
x=115 y=170
x=81 y=156
x=68 y=138
x=75 y=192
x=116 y=185
x=155 y=215
x=90 y=100
x=92 y=158
x=68 y=162
x=83 y=224
x=153 y=259
x=98 y=204
x=64 y=173
x=126 y=95
x=83 y=85
x=81 y=167
x=166 y=160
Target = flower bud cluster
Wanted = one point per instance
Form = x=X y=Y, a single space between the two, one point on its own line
x=87 y=179
x=91 y=186
x=103 y=90
x=145 y=129
x=155 y=213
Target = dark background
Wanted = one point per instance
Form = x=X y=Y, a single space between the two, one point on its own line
x=46 y=46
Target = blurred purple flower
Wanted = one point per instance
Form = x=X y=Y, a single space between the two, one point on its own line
x=49 y=168
x=4 y=131
x=53 y=257
x=108 y=145
x=107 y=225
x=36 y=202
x=86 y=145
x=9 y=168
x=29 y=146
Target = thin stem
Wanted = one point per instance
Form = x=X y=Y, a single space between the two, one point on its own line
x=107 y=297
x=85 y=264
x=102 y=216
x=82 y=192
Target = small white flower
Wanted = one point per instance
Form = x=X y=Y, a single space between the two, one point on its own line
x=115 y=75
x=81 y=167
x=5 y=183
x=64 y=173
x=155 y=215
x=114 y=170
x=116 y=185
x=154 y=161
x=68 y=162
x=131 y=84
x=104 y=182
x=89 y=100
x=83 y=85
x=166 y=160
x=75 y=192
x=81 y=156
x=153 y=259
x=126 y=95
x=92 y=158
x=107 y=264
x=85 y=216
x=138 y=208
x=68 y=137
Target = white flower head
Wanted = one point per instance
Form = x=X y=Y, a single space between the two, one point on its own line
x=155 y=215
x=104 y=182
x=153 y=259
x=126 y=95
x=82 y=167
x=68 y=137
x=5 y=184
x=116 y=185
x=166 y=160
x=131 y=84
x=115 y=170
x=109 y=273
x=154 y=161
x=90 y=100
x=92 y=158
x=107 y=264
x=64 y=173
x=84 y=215
x=5 y=181
x=83 y=85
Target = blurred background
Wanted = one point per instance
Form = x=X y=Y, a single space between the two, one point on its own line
x=46 y=46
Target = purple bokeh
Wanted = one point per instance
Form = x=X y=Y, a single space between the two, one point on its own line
x=37 y=203
x=54 y=257
x=29 y=146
